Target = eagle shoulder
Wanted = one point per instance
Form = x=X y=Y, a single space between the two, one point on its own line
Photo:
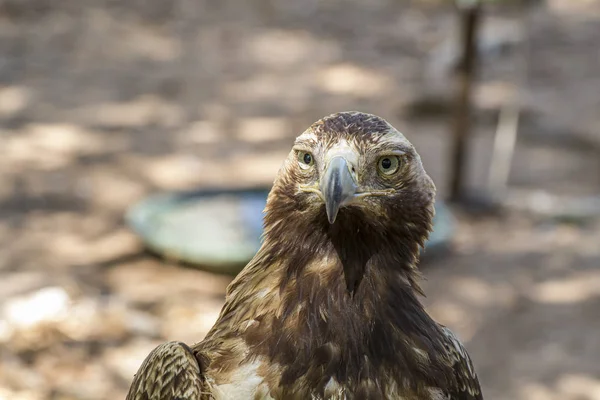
x=466 y=383
x=170 y=372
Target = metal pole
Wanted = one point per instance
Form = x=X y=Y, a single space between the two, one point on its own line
x=470 y=16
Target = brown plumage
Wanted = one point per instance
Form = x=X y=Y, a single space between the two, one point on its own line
x=328 y=308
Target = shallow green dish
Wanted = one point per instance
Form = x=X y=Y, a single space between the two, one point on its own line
x=219 y=230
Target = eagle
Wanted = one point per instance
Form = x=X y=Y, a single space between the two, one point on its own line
x=329 y=307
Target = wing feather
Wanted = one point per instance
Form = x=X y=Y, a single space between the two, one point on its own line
x=170 y=372
x=467 y=385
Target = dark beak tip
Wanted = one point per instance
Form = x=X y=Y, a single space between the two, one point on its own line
x=331 y=218
x=331 y=210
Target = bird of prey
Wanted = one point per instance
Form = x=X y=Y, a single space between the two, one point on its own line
x=329 y=306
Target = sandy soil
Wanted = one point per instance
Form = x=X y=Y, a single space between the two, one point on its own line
x=105 y=103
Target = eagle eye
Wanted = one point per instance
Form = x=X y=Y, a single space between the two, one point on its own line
x=388 y=165
x=305 y=159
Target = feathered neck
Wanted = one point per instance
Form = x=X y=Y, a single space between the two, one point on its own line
x=359 y=243
x=348 y=290
x=354 y=263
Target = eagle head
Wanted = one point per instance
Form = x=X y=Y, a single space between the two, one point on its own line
x=351 y=171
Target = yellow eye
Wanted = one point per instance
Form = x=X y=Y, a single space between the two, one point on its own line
x=305 y=159
x=388 y=165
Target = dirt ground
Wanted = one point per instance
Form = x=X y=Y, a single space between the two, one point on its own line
x=103 y=103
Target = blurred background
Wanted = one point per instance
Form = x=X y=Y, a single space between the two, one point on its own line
x=103 y=103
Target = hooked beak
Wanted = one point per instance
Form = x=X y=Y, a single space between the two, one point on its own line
x=337 y=186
